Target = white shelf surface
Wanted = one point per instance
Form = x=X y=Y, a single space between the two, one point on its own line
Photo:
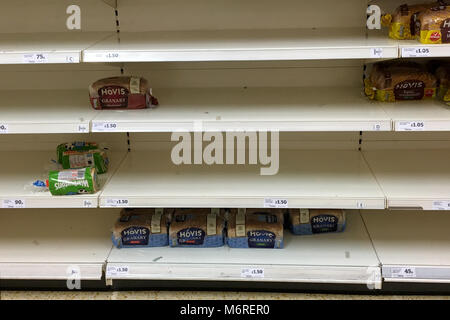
x=328 y=258
x=241 y=45
x=434 y=114
x=412 y=178
x=306 y=178
x=433 y=50
x=54 y=47
x=415 y=240
x=46 y=111
x=223 y=109
x=18 y=170
x=54 y=244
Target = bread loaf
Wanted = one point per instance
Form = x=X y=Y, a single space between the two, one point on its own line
x=121 y=93
x=443 y=76
x=255 y=228
x=312 y=221
x=433 y=25
x=91 y=158
x=400 y=80
x=197 y=228
x=402 y=21
x=141 y=228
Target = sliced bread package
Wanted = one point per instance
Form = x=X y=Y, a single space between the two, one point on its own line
x=312 y=221
x=87 y=158
x=72 y=182
x=399 y=80
x=141 y=228
x=433 y=25
x=74 y=146
x=255 y=228
x=197 y=228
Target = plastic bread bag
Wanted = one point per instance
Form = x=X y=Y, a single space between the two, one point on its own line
x=398 y=80
x=69 y=182
x=401 y=22
x=141 y=228
x=91 y=158
x=255 y=228
x=443 y=75
x=433 y=25
x=313 y=221
x=119 y=93
x=197 y=228
x=74 y=146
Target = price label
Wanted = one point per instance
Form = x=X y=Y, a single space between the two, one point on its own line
x=411 y=126
x=403 y=272
x=73 y=58
x=83 y=128
x=419 y=52
x=117 y=271
x=276 y=203
x=117 y=203
x=441 y=205
x=377 y=127
x=376 y=53
x=3 y=128
x=104 y=126
x=14 y=203
x=35 y=58
x=112 y=56
x=87 y=203
x=252 y=273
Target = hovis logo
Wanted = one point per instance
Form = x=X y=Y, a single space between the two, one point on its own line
x=191 y=236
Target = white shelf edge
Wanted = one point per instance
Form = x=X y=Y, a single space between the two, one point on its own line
x=50 y=271
x=423 y=274
x=70 y=57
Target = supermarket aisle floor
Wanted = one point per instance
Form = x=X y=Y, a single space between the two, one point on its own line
x=196 y=295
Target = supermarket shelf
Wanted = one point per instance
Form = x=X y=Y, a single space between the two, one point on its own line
x=57 y=47
x=411 y=240
x=54 y=245
x=60 y=111
x=18 y=169
x=241 y=45
x=328 y=258
x=412 y=178
x=413 y=48
x=259 y=109
x=306 y=178
x=419 y=115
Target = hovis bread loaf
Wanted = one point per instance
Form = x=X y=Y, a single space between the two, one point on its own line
x=433 y=25
x=402 y=22
x=197 y=228
x=141 y=228
x=255 y=228
x=312 y=221
x=400 y=80
x=121 y=93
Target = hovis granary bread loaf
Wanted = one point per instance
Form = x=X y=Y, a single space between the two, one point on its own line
x=402 y=22
x=255 y=228
x=312 y=221
x=443 y=76
x=399 y=80
x=121 y=93
x=433 y=25
x=197 y=228
x=141 y=228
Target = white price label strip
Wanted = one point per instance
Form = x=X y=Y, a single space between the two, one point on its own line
x=252 y=273
x=276 y=203
x=117 y=271
x=419 y=52
x=14 y=203
x=35 y=58
x=104 y=126
x=411 y=126
x=403 y=272
x=441 y=205
x=376 y=52
x=117 y=203
x=3 y=128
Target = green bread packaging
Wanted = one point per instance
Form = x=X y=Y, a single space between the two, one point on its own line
x=74 y=146
x=81 y=159
x=72 y=182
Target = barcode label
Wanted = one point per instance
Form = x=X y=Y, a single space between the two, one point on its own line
x=441 y=205
x=252 y=273
x=70 y=175
x=276 y=203
x=83 y=128
x=35 y=58
x=376 y=53
x=14 y=203
x=3 y=128
x=87 y=203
